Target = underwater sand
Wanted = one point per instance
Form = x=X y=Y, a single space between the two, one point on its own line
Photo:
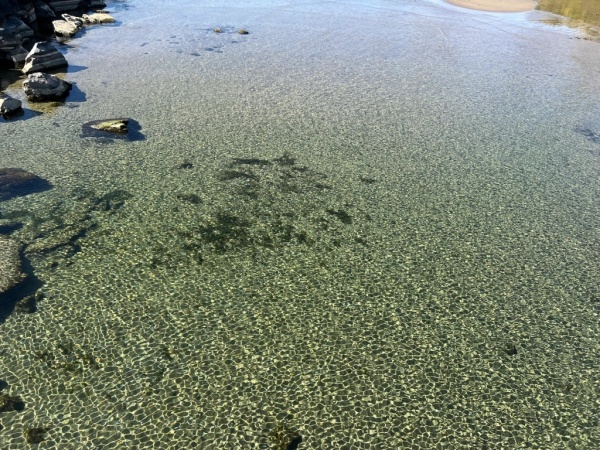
x=374 y=224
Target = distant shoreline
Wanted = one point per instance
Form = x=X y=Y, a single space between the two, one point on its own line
x=496 y=5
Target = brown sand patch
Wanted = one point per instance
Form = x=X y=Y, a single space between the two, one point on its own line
x=496 y=5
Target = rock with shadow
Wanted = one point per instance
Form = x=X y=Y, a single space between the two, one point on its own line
x=42 y=57
x=9 y=106
x=43 y=87
x=119 y=128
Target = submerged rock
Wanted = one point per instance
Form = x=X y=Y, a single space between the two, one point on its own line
x=43 y=56
x=10 y=264
x=17 y=182
x=111 y=125
x=41 y=87
x=9 y=106
x=109 y=129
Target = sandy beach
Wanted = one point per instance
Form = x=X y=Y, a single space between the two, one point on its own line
x=498 y=6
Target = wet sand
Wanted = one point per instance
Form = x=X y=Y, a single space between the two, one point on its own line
x=498 y=6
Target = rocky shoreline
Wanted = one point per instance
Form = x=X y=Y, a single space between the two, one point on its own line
x=26 y=30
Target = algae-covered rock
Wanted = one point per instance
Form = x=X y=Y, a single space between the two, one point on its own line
x=10 y=264
x=118 y=128
x=111 y=125
x=17 y=182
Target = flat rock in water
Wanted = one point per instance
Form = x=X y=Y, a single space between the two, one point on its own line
x=10 y=264
x=99 y=17
x=65 y=28
x=17 y=182
x=110 y=125
x=109 y=129
x=43 y=56
x=41 y=87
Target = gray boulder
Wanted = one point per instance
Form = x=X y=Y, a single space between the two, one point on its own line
x=12 y=53
x=43 y=56
x=41 y=87
x=9 y=105
x=18 y=27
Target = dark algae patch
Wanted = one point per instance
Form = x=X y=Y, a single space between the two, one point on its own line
x=226 y=232
x=342 y=215
x=250 y=162
x=11 y=403
x=284 y=438
x=190 y=198
x=35 y=435
x=267 y=204
x=274 y=200
x=589 y=134
x=227 y=175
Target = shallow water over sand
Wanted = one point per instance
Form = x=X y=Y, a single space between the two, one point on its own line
x=372 y=224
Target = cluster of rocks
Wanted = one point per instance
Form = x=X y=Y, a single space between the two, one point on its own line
x=70 y=25
x=24 y=22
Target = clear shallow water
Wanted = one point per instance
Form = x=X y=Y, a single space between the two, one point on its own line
x=388 y=238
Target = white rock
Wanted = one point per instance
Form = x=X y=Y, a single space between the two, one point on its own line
x=98 y=18
x=65 y=28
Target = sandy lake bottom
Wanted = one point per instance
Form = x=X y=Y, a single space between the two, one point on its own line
x=371 y=224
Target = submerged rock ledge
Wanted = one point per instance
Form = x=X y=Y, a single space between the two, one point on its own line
x=10 y=264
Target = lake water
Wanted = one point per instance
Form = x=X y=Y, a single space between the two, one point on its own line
x=373 y=224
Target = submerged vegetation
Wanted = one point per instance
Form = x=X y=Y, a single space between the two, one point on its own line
x=579 y=11
x=35 y=435
x=272 y=203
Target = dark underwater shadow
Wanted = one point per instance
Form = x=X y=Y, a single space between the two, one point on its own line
x=28 y=287
x=23 y=114
x=75 y=69
x=76 y=95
